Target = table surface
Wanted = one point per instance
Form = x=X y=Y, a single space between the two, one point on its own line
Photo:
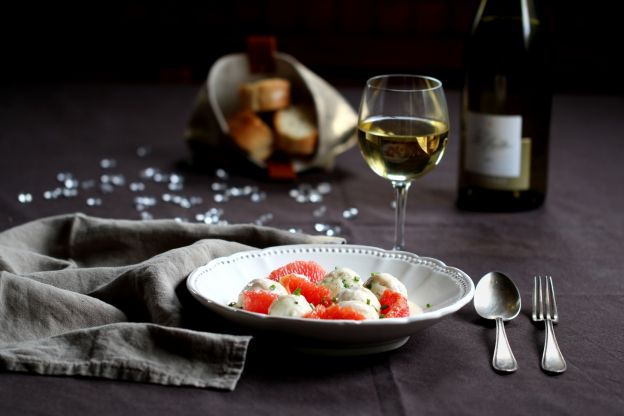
x=576 y=237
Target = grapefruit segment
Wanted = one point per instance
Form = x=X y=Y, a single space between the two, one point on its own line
x=258 y=300
x=393 y=305
x=300 y=285
x=334 y=312
x=311 y=269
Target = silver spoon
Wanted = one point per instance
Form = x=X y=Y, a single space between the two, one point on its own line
x=496 y=297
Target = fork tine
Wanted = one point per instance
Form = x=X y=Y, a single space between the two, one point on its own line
x=552 y=303
x=541 y=299
x=547 y=298
x=535 y=300
x=540 y=295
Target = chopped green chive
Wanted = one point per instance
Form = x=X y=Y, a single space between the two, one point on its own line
x=356 y=279
x=428 y=305
x=384 y=307
x=272 y=287
x=232 y=304
x=335 y=299
x=381 y=316
x=368 y=301
x=297 y=291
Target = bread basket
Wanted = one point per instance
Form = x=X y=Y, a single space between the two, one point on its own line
x=207 y=132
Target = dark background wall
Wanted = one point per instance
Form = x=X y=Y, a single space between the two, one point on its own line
x=345 y=41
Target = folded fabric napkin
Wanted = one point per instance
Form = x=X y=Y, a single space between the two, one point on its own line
x=98 y=297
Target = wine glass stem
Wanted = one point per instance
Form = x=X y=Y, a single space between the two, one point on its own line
x=401 y=189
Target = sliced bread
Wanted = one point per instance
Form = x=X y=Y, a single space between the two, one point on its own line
x=251 y=134
x=296 y=132
x=265 y=95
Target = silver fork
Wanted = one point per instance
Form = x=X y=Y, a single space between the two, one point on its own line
x=545 y=309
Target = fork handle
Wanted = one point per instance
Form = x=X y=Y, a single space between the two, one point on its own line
x=552 y=359
x=503 y=359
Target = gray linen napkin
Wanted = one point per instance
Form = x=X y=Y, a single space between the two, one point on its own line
x=98 y=297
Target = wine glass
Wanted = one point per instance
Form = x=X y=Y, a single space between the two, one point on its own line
x=403 y=127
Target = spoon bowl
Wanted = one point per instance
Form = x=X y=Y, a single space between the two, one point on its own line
x=497 y=297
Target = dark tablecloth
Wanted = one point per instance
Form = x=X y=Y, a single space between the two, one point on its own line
x=576 y=237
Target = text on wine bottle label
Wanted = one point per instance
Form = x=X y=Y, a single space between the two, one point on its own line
x=493 y=144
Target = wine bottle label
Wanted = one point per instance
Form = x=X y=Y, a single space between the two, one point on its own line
x=493 y=144
x=496 y=156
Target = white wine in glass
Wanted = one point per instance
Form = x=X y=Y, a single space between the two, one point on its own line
x=403 y=128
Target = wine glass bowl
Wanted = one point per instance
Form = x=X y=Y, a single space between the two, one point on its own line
x=402 y=132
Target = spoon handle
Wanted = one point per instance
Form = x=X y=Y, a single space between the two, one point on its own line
x=503 y=359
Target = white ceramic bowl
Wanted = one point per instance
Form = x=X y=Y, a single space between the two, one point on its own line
x=428 y=281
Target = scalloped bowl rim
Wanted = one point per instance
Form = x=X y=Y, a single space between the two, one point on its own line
x=459 y=277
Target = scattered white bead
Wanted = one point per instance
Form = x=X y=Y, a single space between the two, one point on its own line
x=25 y=198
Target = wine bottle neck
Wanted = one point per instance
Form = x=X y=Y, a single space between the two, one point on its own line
x=506 y=8
x=514 y=11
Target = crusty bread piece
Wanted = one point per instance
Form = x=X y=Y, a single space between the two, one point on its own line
x=268 y=94
x=296 y=131
x=251 y=134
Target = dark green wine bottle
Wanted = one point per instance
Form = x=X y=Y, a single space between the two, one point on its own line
x=505 y=110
